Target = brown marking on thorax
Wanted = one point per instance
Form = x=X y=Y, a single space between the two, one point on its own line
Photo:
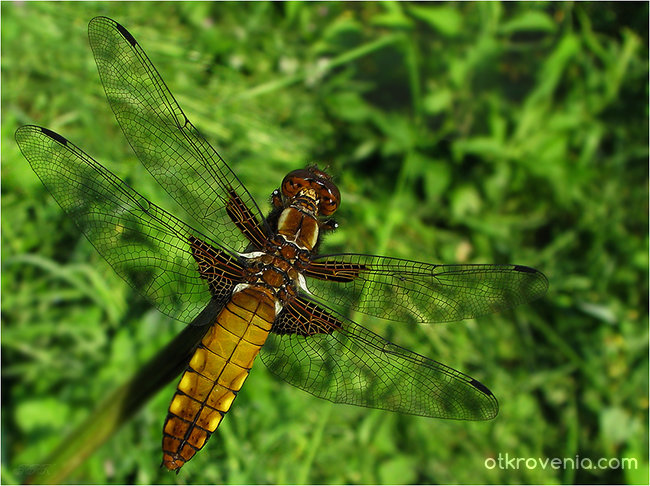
x=298 y=226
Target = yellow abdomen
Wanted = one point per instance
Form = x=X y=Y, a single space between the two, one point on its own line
x=215 y=374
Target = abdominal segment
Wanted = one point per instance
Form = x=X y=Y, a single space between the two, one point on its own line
x=216 y=373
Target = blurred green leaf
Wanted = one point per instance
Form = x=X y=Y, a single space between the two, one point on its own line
x=437 y=101
x=35 y=414
x=349 y=106
x=530 y=20
x=617 y=425
x=437 y=177
x=392 y=17
x=554 y=67
x=600 y=312
x=343 y=27
x=446 y=20
x=488 y=147
x=465 y=200
x=398 y=470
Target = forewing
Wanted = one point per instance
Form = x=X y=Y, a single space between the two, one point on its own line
x=344 y=362
x=403 y=290
x=163 y=138
x=148 y=247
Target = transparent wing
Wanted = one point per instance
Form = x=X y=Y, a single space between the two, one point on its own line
x=331 y=357
x=159 y=255
x=403 y=290
x=169 y=146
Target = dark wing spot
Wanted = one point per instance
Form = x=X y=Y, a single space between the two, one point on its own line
x=55 y=136
x=126 y=34
x=525 y=269
x=481 y=387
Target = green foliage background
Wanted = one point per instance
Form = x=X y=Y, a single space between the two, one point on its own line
x=473 y=132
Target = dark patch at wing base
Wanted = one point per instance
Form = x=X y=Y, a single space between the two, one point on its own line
x=221 y=271
x=245 y=220
x=334 y=271
x=304 y=318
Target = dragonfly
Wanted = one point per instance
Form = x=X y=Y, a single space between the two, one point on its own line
x=275 y=296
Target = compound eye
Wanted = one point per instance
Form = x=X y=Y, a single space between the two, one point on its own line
x=292 y=185
x=328 y=203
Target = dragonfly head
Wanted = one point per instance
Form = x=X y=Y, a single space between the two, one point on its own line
x=314 y=187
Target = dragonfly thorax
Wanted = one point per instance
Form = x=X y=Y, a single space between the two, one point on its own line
x=274 y=273
x=298 y=227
